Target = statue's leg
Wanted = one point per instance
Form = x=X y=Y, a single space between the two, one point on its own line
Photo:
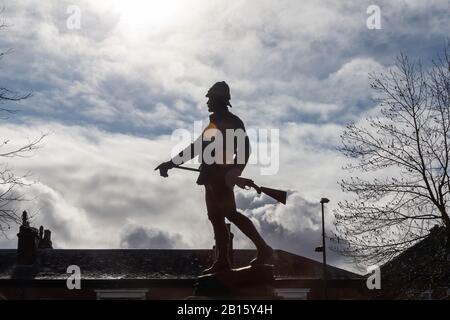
x=214 y=203
x=247 y=227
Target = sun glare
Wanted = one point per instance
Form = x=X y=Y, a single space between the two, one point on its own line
x=146 y=16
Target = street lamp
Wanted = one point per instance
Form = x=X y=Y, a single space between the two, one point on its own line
x=324 y=251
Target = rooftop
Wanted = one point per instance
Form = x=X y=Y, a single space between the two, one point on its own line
x=151 y=264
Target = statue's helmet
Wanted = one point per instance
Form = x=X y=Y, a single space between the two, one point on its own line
x=220 y=90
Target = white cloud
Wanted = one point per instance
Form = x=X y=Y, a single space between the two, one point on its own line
x=138 y=237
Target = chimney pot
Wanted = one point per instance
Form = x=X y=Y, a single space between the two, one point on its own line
x=46 y=242
x=25 y=219
x=27 y=242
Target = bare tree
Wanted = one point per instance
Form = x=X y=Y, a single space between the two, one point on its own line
x=10 y=182
x=402 y=160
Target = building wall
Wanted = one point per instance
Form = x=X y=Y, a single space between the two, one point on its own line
x=165 y=293
x=47 y=294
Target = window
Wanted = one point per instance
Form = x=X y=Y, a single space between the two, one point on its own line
x=292 y=293
x=127 y=294
x=426 y=295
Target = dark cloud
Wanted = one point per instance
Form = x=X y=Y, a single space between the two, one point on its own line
x=149 y=238
x=297 y=55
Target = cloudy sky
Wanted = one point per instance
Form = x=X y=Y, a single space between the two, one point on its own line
x=111 y=92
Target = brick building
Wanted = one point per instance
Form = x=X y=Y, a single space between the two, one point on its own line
x=420 y=272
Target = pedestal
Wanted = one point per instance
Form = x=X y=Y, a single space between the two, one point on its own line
x=252 y=282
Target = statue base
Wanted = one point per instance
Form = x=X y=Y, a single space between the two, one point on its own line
x=252 y=282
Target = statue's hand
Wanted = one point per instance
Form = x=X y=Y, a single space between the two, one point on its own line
x=164 y=168
x=241 y=183
x=233 y=178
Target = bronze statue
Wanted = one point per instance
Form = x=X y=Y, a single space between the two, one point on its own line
x=220 y=177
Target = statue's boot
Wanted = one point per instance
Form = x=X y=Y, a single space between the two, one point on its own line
x=264 y=256
x=218 y=266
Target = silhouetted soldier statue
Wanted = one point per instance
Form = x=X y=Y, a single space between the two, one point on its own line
x=219 y=178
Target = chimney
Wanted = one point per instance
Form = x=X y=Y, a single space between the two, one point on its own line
x=28 y=242
x=45 y=241
x=230 y=245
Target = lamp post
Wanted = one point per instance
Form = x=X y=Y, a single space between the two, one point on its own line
x=324 y=275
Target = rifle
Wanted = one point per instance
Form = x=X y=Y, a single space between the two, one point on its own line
x=247 y=184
